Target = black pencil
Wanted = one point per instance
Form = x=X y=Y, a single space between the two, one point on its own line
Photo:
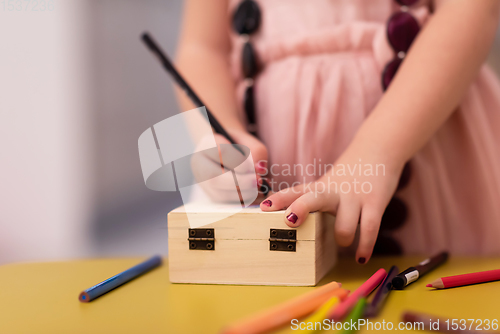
x=179 y=80
x=155 y=48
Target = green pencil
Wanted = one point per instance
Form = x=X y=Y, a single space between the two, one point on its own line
x=354 y=316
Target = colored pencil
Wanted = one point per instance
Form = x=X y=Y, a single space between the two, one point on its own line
x=284 y=313
x=435 y=324
x=321 y=314
x=363 y=291
x=354 y=316
x=412 y=274
x=382 y=293
x=113 y=282
x=179 y=80
x=466 y=279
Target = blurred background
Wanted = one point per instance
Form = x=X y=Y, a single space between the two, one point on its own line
x=77 y=89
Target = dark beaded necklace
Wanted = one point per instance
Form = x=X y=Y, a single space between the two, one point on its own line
x=402 y=28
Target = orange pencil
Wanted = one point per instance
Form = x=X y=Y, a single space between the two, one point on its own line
x=282 y=314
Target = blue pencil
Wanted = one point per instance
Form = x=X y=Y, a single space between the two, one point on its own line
x=105 y=286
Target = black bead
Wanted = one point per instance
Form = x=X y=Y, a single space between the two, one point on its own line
x=387 y=246
x=246 y=18
x=395 y=215
x=405 y=176
x=249 y=105
x=249 y=61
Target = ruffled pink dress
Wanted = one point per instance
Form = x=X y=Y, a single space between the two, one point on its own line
x=321 y=64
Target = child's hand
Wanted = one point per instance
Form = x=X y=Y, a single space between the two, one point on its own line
x=352 y=197
x=207 y=166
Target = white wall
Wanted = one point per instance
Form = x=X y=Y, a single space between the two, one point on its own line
x=77 y=88
x=45 y=162
x=130 y=93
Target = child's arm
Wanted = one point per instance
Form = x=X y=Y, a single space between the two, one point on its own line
x=440 y=66
x=203 y=59
x=428 y=87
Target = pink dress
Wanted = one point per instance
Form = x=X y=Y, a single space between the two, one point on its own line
x=321 y=64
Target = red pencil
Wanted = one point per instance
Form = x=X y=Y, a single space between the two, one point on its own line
x=467 y=279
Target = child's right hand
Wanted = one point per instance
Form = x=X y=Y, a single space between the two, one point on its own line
x=362 y=202
x=207 y=165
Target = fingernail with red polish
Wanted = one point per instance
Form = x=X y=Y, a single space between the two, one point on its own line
x=267 y=203
x=292 y=218
x=361 y=260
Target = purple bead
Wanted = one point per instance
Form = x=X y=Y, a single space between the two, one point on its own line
x=395 y=215
x=390 y=71
x=386 y=245
x=402 y=29
x=407 y=3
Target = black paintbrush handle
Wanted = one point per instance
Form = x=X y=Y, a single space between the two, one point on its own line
x=155 y=48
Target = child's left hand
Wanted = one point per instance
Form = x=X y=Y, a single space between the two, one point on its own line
x=353 y=197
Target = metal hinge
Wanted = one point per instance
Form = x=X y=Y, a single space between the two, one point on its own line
x=201 y=238
x=282 y=240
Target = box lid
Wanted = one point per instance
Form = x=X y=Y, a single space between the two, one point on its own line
x=233 y=222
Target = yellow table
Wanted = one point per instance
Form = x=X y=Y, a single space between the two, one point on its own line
x=43 y=297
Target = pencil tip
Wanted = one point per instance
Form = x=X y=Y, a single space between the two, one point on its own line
x=429 y=285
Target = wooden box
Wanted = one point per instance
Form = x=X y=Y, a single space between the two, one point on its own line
x=250 y=247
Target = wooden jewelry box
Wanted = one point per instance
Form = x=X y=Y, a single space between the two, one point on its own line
x=250 y=247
